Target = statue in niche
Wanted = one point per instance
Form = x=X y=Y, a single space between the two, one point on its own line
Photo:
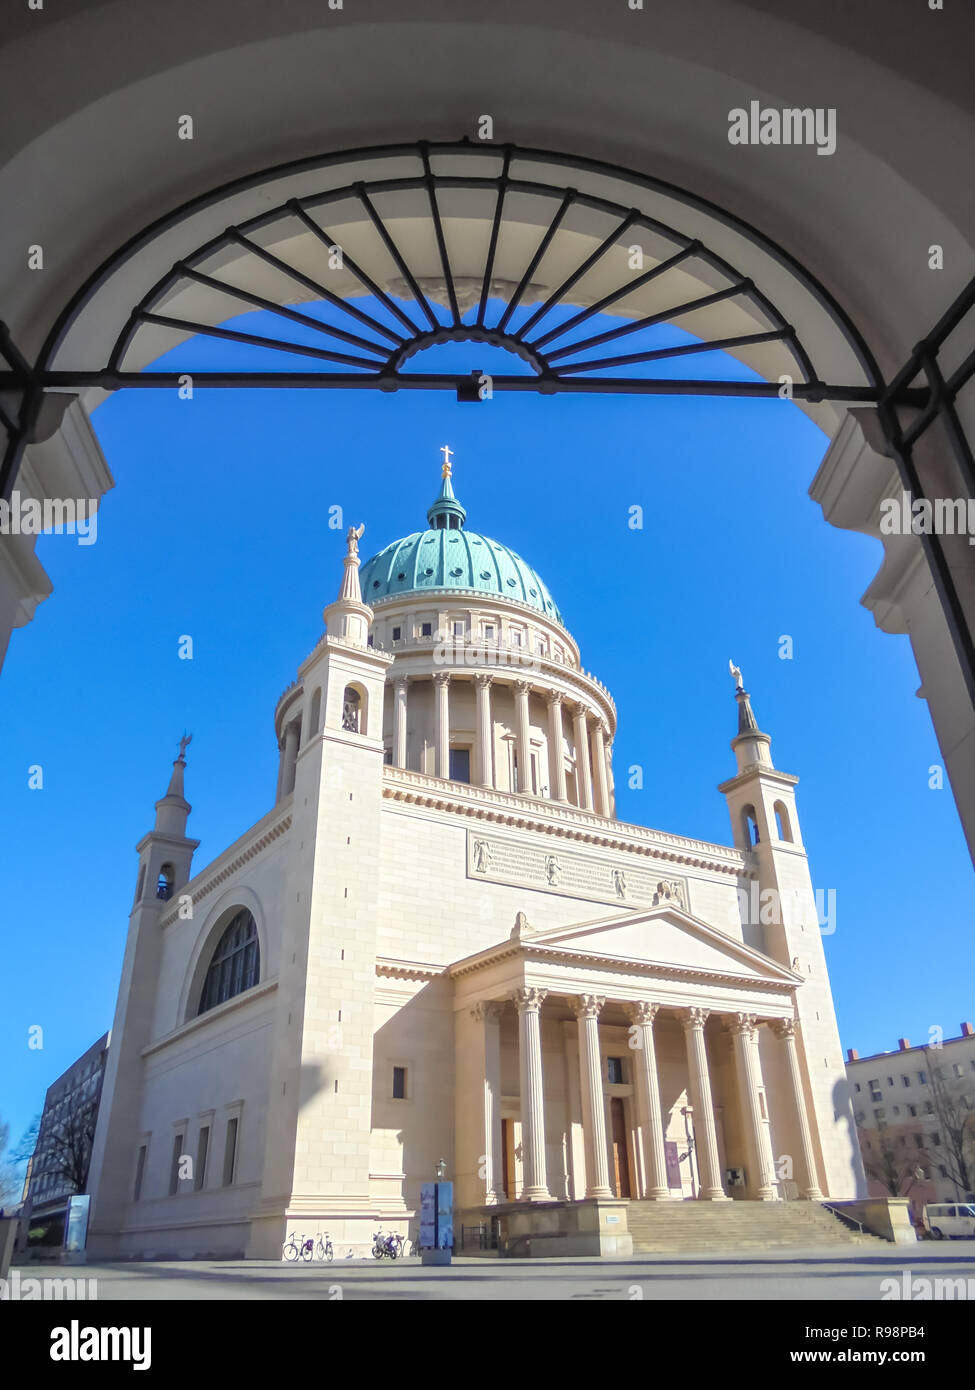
x=553 y=870
x=482 y=856
x=619 y=883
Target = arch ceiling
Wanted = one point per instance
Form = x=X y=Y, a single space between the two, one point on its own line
x=518 y=248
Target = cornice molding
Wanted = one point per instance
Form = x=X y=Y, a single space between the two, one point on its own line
x=214 y=874
x=561 y=822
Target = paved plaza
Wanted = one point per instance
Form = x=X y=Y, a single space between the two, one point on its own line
x=776 y=1274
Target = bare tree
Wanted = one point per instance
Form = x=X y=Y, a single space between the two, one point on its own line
x=953 y=1108
x=67 y=1146
x=893 y=1169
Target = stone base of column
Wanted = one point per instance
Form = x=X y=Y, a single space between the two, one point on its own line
x=600 y=1194
x=658 y=1194
x=713 y=1194
x=813 y=1194
x=536 y=1194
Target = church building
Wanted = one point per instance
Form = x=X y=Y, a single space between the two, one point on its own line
x=440 y=944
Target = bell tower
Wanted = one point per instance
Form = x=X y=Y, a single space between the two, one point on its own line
x=165 y=864
x=781 y=916
x=316 y=1165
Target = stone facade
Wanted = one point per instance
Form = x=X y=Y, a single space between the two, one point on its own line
x=411 y=959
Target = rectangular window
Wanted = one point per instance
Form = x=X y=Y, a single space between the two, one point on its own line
x=459 y=629
x=399 y=1083
x=890 y=1081
x=856 y=1085
x=489 y=637
x=426 y=629
x=174 y=1170
x=973 y=1064
x=397 y=633
x=199 y=1177
x=460 y=764
x=928 y=1108
x=515 y=638
x=230 y=1152
x=922 y=1076
x=906 y=1080
x=614 y=1070
x=140 y=1172
x=919 y=1140
x=936 y=1140
x=958 y=1069
x=912 y=1110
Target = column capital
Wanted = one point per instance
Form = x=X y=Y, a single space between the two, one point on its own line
x=578 y=709
x=441 y=677
x=785 y=1027
x=484 y=680
x=641 y=1011
x=528 y=1001
x=400 y=682
x=487 y=1010
x=587 y=1005
x=522 y=687
x=742 y=1025
x=553 y=698
x=692 y=1019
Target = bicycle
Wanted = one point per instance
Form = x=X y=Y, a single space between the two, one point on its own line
x=384 y=1247
x=302 y=1248
x=323 y=1248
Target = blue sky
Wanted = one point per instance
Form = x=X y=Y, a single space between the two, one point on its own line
x=217 y=528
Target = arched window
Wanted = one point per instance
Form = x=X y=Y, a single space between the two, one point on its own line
x=749 y=826
x=235 y=964
x=164 y=883
x=352 y=710
x=782 y=822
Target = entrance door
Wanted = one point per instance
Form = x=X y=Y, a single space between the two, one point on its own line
x=621 y=1160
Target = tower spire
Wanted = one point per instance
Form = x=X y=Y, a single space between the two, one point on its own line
x=446 y=512
x=173 y=809
x=750 y=745
x=349 y=618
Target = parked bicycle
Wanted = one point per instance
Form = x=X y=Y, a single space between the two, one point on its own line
x=298 y=1248
x=384 y=1247
x=323 y=1248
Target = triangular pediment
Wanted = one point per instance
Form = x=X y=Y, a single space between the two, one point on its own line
x=662 y=935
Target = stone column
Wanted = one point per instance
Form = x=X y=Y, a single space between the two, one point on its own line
x=556 y=762
x=488 y=1014
x=522 y=731
x=399 y=721
x=528 y=1002
x=785 y=1029
x=441 y=724
x=705 y=1133
x=749 y=1072
x=644 y=1063
x=587 y=1008
x=583 y=769
x=291 y=736
x=484 y=730
x=599 y=759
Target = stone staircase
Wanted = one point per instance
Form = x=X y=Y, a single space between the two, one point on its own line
x=703 y=1227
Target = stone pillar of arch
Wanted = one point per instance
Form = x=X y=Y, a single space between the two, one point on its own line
x=599 y=768
x=699 y=1085
x=556 y=762
x=534 y=1186
x=785 y=1030
x=484 y=730
x=583 y=768
x=587 y=1008
x=441 y=724
x=644 y=1059
x=523 y=735
x=749 y=1072
x=400 y=686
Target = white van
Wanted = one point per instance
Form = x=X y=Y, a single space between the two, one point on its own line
x=947 y=1219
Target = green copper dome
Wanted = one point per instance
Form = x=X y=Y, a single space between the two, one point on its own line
x=448 y=556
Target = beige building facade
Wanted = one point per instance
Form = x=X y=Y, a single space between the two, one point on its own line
x=440 y=944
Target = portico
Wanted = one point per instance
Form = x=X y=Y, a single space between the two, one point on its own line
x=601 y=1075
